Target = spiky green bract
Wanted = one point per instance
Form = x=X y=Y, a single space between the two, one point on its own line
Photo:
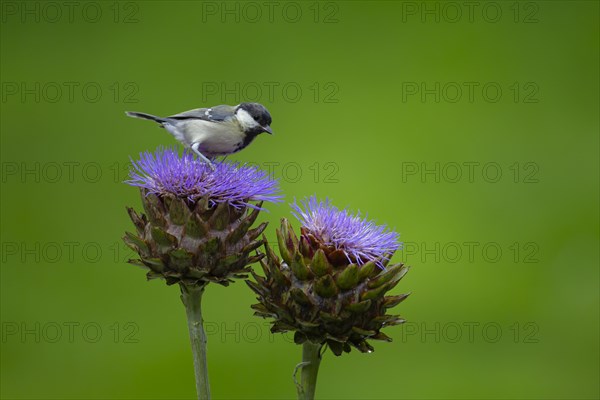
x=314 y=290
x=194 y=243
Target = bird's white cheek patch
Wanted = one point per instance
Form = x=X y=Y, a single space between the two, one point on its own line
x=246 y=119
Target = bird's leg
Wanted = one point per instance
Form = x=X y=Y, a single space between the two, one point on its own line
x=194 y=147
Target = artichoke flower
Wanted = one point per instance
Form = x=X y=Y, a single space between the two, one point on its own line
x=197 y=229
x=197 y=223
x=329 y=285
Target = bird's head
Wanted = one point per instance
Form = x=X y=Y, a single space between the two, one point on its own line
x=254 y=118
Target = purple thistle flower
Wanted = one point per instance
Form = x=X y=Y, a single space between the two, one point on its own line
x=166 y=172
x=360 y=239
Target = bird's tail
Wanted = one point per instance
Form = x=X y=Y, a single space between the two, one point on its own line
x=151 y=117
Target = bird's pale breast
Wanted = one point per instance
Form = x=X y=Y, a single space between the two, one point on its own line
x=214 y=138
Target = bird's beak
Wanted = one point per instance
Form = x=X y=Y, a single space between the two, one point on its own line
x=268 y=129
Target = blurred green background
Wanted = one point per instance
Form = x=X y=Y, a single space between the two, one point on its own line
x=470 y=129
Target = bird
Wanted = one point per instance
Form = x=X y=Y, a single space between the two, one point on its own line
x=215 y=131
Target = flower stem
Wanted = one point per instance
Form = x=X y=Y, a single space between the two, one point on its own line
x=311 y=359
x=191 y=295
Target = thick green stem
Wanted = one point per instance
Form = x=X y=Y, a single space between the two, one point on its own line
x=311 y=359
x=191 y=295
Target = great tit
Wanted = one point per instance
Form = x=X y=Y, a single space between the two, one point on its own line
x=215 y=131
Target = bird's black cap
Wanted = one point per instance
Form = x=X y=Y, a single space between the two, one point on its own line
x=258 y=112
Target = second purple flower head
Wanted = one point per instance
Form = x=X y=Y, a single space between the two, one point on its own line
x=329 y=286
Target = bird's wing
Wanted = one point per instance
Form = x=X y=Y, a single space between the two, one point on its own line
x=216 y=113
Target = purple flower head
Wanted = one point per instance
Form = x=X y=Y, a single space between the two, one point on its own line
x=166 y=172
x=360 y=239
